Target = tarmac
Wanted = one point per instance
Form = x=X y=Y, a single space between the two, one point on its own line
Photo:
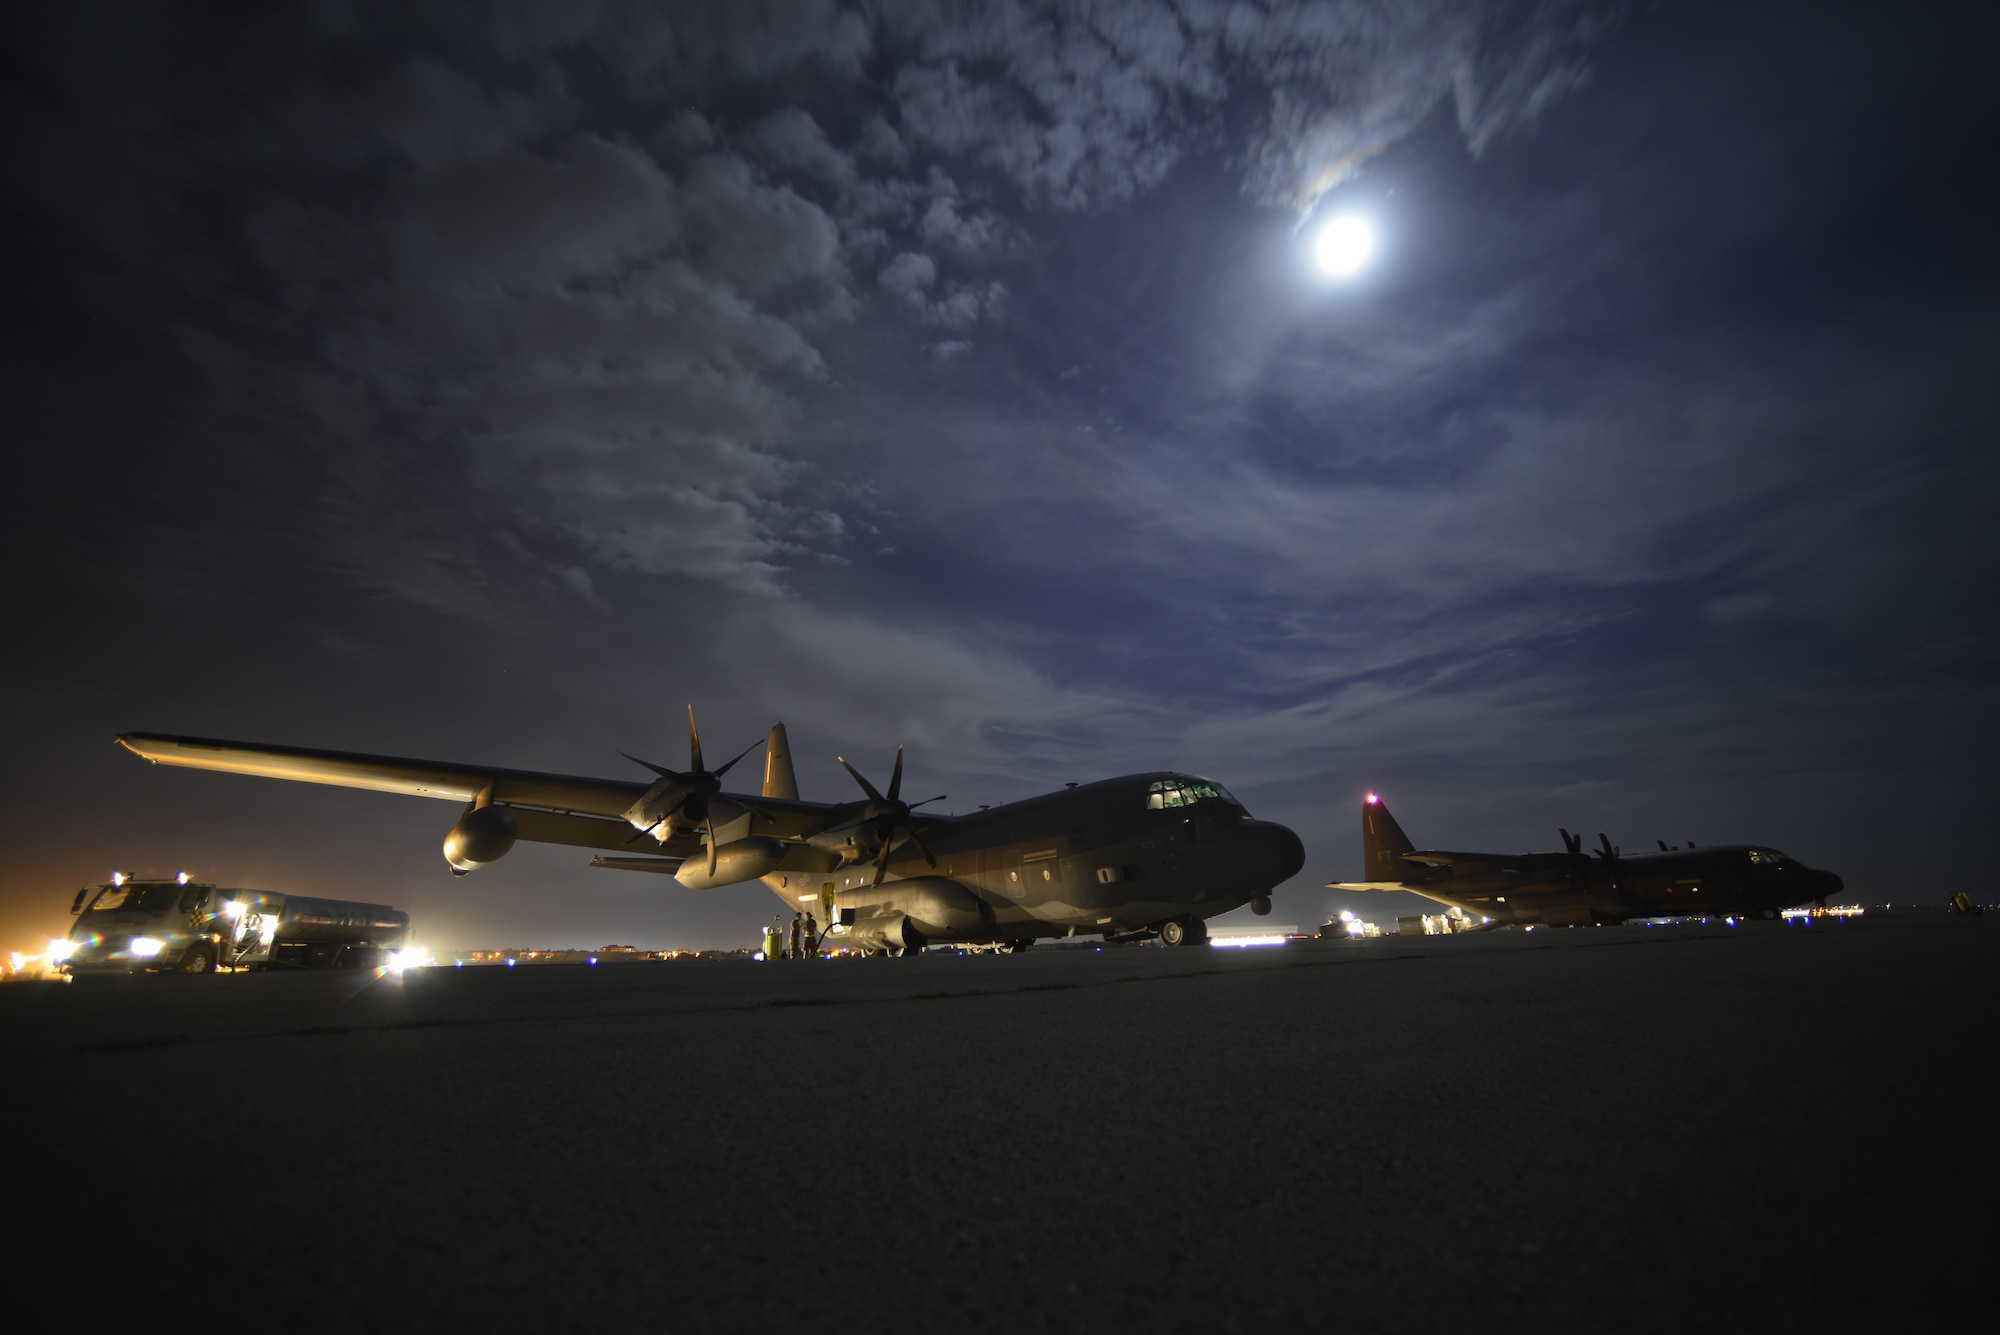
x=1766 y=1127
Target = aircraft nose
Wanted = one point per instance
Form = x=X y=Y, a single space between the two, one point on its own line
x=1275 y=851
x=1830 y=885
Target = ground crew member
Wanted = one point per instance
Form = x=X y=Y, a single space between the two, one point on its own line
x=812 y=936
x=798 y=923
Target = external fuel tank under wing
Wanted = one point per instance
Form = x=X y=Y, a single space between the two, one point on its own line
x=1574 y=887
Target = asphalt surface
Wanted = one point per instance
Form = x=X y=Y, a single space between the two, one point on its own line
x=1765 y=1127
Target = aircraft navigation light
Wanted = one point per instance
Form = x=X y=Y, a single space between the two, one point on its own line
x=1344 y=245
x=1373 y=799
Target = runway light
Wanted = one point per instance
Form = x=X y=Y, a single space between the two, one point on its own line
x=409 y=957
x=593 y=961
x=1237 y=942
x=510 y=964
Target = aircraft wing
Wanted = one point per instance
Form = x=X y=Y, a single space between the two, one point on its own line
x=582 y=812
x=1367 y=885
x=390 y=774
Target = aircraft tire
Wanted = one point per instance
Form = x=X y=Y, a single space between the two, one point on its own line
x=1173 y=933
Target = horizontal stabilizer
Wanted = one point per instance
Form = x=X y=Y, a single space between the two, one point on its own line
x=667 y=865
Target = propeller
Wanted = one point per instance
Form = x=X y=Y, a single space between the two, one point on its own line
x=1579 y=865
x=698 y=785
x=888 y=813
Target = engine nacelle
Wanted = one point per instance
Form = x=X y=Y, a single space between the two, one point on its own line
x=481 y=836
x=743 y=860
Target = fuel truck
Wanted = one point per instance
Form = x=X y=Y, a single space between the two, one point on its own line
x=181 y=926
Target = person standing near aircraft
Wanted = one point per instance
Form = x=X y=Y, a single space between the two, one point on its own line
x=812 y=936
x=798 y=924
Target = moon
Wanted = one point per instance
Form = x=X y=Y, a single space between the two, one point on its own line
x=1344 y=246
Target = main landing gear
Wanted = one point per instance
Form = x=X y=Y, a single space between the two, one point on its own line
x=1175 y=932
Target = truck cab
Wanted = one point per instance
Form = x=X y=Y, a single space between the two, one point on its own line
x=132 y=926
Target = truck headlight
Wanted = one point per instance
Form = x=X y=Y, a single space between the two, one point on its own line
x=61 y=948
x=145 y=947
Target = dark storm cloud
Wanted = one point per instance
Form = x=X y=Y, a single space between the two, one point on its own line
x=581 y=292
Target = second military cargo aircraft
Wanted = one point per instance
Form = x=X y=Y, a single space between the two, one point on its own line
x=1573 y=888
x=1147 y=854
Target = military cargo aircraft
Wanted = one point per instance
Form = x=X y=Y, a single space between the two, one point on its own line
x=1146 y=855
x=1571 y=888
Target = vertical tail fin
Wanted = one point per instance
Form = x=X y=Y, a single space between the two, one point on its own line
x=1383 y=843
x=779 y=781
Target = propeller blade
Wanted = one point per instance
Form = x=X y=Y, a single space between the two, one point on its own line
x=1572 y=842
x=746 y=751
x=866 y=786
x=1609 y=851
x=921 y=848
x=1662 y=843
x=694 y=744
x=711 y=845
x=663 y=773
x=927 y=801
x=881 y=864
x=896 y=779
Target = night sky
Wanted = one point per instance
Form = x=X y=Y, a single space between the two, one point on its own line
x=488 y=382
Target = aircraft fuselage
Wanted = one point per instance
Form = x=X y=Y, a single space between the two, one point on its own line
x=1560 y=888
x=1090 y=859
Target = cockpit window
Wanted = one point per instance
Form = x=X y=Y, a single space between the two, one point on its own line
x=1185 y=793
x=1768 y=857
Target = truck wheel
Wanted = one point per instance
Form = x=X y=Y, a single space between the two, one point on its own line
x=197 y=960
